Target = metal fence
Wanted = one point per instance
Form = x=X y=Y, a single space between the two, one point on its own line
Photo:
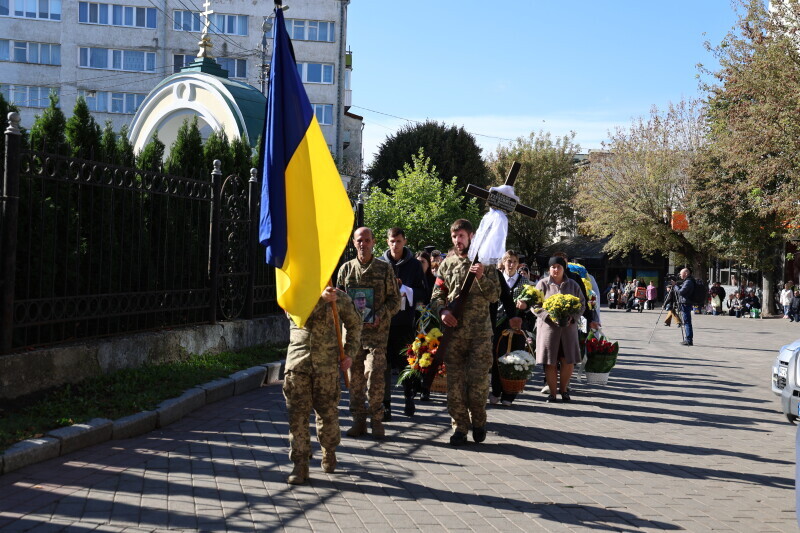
x=91 y=249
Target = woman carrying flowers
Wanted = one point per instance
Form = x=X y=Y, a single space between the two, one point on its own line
x=516 y=295
x=556 y=342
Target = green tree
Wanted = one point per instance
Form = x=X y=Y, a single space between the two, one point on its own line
x=82 y=132
x=421 y=204
x=753 y=161
x=152 y=155
x=545 y=182
x=186 y=153
x=452 y=150
x=241 y=155
x=629 y=192
x=217 y=147
x=47 y=131
x=108 y=144
x=124 y=151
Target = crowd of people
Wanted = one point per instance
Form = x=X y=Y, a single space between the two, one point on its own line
x=376 y=300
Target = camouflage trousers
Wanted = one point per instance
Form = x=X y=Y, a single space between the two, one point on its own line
x=367 y=383
x=468 y=364
x=304 y=392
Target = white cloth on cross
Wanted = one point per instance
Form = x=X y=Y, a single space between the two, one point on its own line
x=490 y=239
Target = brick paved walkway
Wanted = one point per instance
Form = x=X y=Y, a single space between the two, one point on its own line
x=682 y=439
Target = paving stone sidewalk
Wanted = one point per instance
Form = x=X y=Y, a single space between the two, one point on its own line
x=682 y=439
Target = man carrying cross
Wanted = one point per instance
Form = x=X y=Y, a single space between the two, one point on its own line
x=469 y=355
x=462 y=293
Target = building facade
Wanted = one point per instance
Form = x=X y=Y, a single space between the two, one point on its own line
x=114 y=54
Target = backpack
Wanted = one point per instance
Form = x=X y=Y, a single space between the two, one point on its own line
x=700 y=293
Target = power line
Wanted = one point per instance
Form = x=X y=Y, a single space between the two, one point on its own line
x=421 y=122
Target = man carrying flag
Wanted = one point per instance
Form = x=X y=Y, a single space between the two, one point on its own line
x=305 y=222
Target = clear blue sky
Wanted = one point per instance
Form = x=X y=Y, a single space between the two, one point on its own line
x=504 y=69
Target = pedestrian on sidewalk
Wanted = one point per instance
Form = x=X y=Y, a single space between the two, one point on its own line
x=685 y=293
x=411 y=284
x=652 y=294
x=556 y=344
x=469 y=356
x=312 y=379
x=371 y=276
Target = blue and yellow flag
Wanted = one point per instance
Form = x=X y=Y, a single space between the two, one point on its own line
x=306 y=217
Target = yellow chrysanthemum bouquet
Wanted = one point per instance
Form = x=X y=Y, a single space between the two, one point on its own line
x=420 y=353
x=532 y=296
x=561 y=307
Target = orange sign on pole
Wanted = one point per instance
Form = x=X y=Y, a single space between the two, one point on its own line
x=679 y=221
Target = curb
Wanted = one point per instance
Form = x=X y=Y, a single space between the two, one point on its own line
x=68 y=439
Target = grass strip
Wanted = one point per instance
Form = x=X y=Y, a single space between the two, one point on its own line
x=121 y=393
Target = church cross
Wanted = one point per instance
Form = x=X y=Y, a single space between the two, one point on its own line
x=497 y=200
x=205 y=14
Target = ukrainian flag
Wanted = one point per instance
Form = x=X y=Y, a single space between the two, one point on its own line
x=306 y=217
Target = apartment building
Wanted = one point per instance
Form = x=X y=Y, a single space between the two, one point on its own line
x=114 y=53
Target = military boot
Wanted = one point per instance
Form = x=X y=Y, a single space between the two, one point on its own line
x=299 y=474
x=328 y=461
x=359 y=427
x=377 y=429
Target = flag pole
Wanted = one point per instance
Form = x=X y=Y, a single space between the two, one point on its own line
x=338 y=329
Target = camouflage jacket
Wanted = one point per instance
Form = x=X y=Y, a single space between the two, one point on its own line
x=314 y=349
x=379 y=277
x=449 y=278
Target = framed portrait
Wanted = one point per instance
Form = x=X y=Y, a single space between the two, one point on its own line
x=363 y=298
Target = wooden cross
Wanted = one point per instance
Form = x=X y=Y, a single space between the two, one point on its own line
x=498 y=201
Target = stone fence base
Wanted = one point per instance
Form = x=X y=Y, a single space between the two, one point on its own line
x=37 y=370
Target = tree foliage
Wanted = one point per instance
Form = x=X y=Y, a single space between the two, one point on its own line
x=124 y=152
x=47 y=131
x=241 y=157
x=629 y=191
x=217 y=147
x=754 y=109
x=545 y=182
x=83 y=133
x=421 y=204
x=453 y=151
x=152 y=155
x=108 y=144
x=185 y=156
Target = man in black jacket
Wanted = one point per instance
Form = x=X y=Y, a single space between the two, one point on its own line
x=411 y=282
x=685 y=292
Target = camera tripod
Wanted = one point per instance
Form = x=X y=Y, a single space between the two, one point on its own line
x=658 y=321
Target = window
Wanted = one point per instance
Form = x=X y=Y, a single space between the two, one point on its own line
x=310 y=30
x=116 y=15
x=112 y=102
x=179 y=61
x=32 y=9
x=237 y=68
x=25 y=52
x=130 y=60
x=27 y=96
x=218 y=23
x=324 y=113
x=315 y=72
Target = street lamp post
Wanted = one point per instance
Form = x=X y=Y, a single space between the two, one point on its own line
x=266 y=27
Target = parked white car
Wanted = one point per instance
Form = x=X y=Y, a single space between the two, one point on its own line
x=786 y=379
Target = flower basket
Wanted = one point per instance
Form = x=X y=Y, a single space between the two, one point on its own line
x=601 y=357
x=513 y=386
x=597 y=378
x=439 y=384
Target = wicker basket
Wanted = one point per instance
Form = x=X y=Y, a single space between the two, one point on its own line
x=513 y=386
x=439 y=384
x=597 y=378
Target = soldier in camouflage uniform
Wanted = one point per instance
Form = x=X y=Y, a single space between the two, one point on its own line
x=367 y=373
x=469 y=356
x=312 y=380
